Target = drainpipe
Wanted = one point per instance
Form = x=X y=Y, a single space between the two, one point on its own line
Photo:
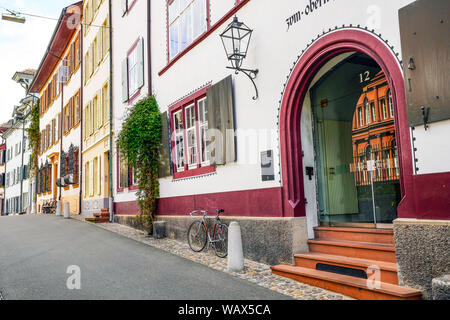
x=80 y=154
x=61 y=117
x=149 y=47
x=21 y=166
x=111 y=185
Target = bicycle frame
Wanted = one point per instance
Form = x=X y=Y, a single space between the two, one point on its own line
x=217 y=219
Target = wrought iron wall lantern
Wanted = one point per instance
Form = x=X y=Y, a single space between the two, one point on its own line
x=236 y=39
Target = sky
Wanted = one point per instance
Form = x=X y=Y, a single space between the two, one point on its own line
x=22 y=46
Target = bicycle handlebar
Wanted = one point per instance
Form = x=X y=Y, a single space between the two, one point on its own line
x=205 y=213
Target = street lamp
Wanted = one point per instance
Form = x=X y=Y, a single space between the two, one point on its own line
x=13 y=17
x=236 y=40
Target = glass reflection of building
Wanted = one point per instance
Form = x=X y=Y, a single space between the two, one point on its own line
x=373 y=134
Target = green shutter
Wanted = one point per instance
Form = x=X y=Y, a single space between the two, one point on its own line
x=164 y=148
x=221 y=139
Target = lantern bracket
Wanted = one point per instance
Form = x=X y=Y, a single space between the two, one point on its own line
x=251 y=74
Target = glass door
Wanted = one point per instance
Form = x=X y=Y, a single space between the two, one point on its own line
x=354 y=137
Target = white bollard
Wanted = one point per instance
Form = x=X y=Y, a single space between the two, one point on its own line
x=58 y=208
x=235 y=252
x=66 y=210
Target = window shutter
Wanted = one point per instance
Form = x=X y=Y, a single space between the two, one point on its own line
x=140 y=63
x=165 y=164
x=125 y=80
x=220 y=136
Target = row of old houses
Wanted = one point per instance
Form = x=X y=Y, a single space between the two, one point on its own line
x=322 y=138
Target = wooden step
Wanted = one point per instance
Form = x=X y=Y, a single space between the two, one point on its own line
x=101 y=215
x=350 y=286
x=354 y=249
x=355 y=234
x=387 y=270
x=97 y=219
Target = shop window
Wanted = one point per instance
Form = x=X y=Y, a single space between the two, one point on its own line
x=187 y=21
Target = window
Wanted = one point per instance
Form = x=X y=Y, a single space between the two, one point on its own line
x=86 y=179
x=76 y=166
x=187 y=21
x=95 y=176
x=374 y=114
x=360 y=117
x=179 y=140
x=191 y=136
x=203 y=128
x=391 y=107
x=123 y=173
x=383 y=108
x=367 y=111
x=105 y=102
x=190 y=125
x=133 y=71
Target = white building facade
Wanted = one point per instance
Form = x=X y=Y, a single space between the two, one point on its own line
x=18 y=188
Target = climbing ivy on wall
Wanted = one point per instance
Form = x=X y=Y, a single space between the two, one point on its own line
x=34 y=141
x=138 y=144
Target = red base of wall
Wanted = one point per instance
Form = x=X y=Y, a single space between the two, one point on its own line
x=247 y=203
x=431 y=196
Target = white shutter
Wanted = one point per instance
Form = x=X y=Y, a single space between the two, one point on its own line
x=125 y=80
x=140 y=63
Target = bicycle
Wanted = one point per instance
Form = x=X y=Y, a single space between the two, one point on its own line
x=199 y=235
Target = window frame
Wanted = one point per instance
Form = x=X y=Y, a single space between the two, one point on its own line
x=200 y=167
x=209 y=30
x=133 y=49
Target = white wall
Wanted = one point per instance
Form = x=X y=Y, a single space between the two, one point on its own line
x=433 y=147
x=127 y=29
x=273 y=50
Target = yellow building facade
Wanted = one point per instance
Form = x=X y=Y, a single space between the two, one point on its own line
x=96 y=107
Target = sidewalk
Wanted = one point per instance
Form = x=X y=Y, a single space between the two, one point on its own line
x=255 y=272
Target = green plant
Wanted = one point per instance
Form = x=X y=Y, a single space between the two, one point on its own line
x=35 y=141
x=138 y=143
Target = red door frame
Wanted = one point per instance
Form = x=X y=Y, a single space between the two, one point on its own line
x=296 y=88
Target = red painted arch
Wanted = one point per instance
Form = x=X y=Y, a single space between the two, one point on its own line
x=298 y=84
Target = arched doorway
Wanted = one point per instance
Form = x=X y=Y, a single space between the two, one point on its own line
x=349 y=42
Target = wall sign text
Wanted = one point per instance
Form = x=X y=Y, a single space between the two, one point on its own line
x=310 y=8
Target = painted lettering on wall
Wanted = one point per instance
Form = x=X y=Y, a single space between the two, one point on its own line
x=311 y=7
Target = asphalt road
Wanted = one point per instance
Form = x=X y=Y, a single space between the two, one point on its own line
x=35 y=252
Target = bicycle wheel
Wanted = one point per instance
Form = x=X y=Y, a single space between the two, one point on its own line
x=221 y=240
x=197 y=237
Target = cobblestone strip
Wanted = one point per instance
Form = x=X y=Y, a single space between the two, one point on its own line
x=255 y=272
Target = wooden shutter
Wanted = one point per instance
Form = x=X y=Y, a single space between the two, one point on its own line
x=125 y=80
x=221 y=120
x=165 y=164
x=424 y=32
x=140 y=62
